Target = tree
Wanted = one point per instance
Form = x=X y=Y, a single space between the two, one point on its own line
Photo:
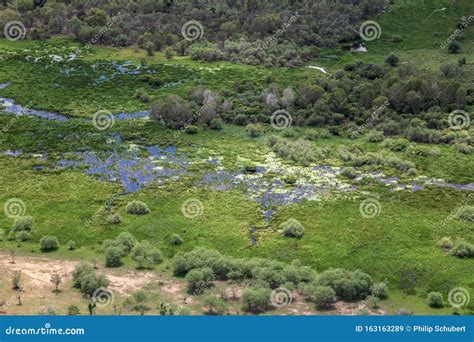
x=174 y=110
x=56 y=280
x=49 y=243
x=392 y=60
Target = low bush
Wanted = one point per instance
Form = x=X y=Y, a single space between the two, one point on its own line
x=375 y=136
x=49 y=243
x=435 y=300
x=87 y=280
x=137 y=208
x=462 y=249
x=466 y=213
x=114 y=219
x=23 y=223
x=176 y=239
x=349 y=172
x=292 y=228
x=23 y=236
x=255 y=300
x=113 y=257
x=199 y=279
x=145 y=255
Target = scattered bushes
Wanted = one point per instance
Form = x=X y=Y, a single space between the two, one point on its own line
x=49 y=243
x=137 y=208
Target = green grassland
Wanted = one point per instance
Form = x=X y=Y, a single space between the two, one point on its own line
x=398 y=246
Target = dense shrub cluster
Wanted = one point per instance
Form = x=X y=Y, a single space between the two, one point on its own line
x=253 y=32
x=87 y=280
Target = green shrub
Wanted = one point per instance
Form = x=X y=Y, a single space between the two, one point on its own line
x=113 y=257
x=190 y=129
x=348 y=285
x=254 y=131
x=216 y=124
x=23 y=223
x=176 y=239
x=137 y=208
x=446 y=243
x=73 y=310
x=396 y=145
x=87 y=280
x=422 y=151
x=114 y=219
x=71 y=245
x=462 y=249
x=255 y=300
x=380 y=290
x=463 y=148
x=199 y=279
x=322 y=296
x=23 y=236
x=435 y=300
x=375 y=136
x=466 y=213
x=125 y=241
x=49 y=243
x=145 y=255
x=349 y=172
x=214 y=305
x=292 y=228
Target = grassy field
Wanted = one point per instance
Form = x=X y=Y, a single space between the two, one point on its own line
x=399 y=246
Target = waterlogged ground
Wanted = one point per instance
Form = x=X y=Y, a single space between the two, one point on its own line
x=67 y=172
